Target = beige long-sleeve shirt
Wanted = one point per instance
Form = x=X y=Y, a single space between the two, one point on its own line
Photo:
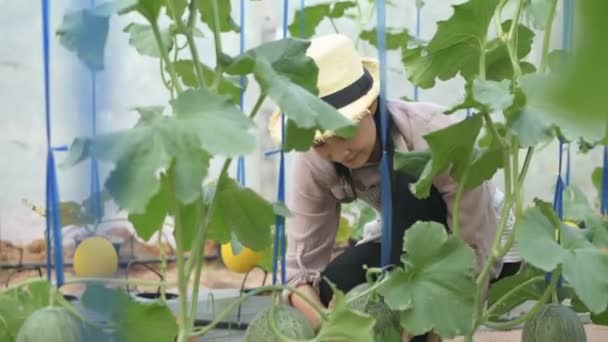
x=316 y=198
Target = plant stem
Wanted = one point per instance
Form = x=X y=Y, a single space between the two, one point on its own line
x=514 y=290
x=52 y=295
x=547 y=37
x=492 y=128
x=497 y=20
x=218 y=44
x=482 y=58
x=198 y=266
x=182 y=281
x=520 y=183
x=524 y=170
x=192 y=44
x=515 y=182
x=535 y=309
x=457 y=200
x=512 y=38
x=165 y=56
x=333 y=24
x=367 y=291
x=481 y=278
x=501 y=225
x=235 y=304
x=163 y=264
x=166 y=82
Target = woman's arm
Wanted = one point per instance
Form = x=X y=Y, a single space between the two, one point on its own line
x=301 y=305
x=311 y=230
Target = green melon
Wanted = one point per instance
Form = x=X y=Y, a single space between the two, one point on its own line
x=387 y=327
x=289 y=321
x=51 y=324
x=554 y=323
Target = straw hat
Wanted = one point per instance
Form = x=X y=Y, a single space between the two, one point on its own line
x=347 y=81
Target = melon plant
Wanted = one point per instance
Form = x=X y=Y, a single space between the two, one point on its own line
x=51 y=324
x=288 y=321
x=387 y=326
x=554 y=323
x=204 y=121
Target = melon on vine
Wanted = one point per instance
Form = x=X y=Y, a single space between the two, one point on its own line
x=554 y=323
x=51 y=324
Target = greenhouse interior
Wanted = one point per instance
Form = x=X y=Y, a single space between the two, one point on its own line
x=304 y=170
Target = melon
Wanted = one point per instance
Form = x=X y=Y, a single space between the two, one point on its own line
x=387 y=326
x=95 y=257
x=51 y=324
x=554 y=323
x=289 y=321
x=243 y=262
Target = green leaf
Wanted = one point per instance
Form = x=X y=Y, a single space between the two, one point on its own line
x=498 y=62
x=596 y=179
x=153 y=218
x=17 y=304
x=345 y=324
x=191 y=221
x=85 y=32
x=395 y=39
x=412 y=162
x=205 y=8
x=339 y=8
x=142 y=38
x=529 y=127
x=185 y=70
x=313 y=16
x=203 y=121
x=221 y=127
x=584 y=265
x=531 y=291
x=496 y=96
x=179 y=6
x=597 y=228
x=575 y=204
x=579 y=111
x=245 y=213
x=600 y=319
x=289 y=77
x=297 y=138
x=589 y=126
x=344 y=230
x=535 y=238
x=484 y=166
x=150 y=9
x=450 y=147
x=455 y=47
x=133 y=321
x=235 y=244
x=585 y=269
x=436 y=287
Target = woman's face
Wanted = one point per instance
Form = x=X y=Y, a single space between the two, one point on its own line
x=356 y=151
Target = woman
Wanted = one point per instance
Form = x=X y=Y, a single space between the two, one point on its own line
x=337 y=170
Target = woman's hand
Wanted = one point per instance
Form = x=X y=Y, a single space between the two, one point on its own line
x=307 y=310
